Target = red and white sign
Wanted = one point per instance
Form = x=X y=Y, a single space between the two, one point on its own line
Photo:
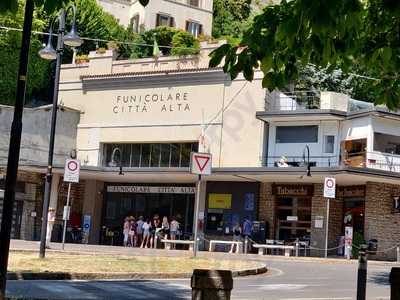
x=330 y=187
x=71 y=170
x=201 y=163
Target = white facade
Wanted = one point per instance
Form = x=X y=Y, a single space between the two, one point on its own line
x=181 y=14
x=344 y=132
x=164 y=107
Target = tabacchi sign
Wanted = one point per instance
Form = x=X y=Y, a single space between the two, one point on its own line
x=148 y=102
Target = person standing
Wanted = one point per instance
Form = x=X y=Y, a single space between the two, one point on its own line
x=156 y=228
x=247 y=231
x=132 y=232
x=165 y=227
x=237 y=232
x=173 y=230
x=139 y=231
x=51 y=218
x=125 y=231
x=146 y=234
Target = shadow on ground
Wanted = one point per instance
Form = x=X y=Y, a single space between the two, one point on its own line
x=96 y=290
x=381 y=278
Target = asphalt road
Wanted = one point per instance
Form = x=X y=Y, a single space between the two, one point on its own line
x=286 y=281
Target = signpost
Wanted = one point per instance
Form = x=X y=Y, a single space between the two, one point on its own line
x=329 y=192
x=71 y=175
x=200 y=164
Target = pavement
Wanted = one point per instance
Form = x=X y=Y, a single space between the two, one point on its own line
x=287 y=279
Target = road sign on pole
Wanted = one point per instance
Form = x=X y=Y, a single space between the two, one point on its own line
x=330 y=187
x=329 y=192
x=201 y=163
x=71 y=171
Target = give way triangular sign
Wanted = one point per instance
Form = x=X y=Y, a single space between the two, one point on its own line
x=201 y=163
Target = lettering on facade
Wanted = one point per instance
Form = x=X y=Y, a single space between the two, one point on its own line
x=143 y=103
x=351 y=191
x=293 y=190
x=151 y=189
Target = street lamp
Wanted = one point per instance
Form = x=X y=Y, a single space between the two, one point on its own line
x=49 y=53
x=307 y=149
x=114 y=163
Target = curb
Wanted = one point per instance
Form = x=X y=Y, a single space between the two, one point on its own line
x=118 y=276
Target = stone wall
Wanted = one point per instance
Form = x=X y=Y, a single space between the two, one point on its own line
x=266 y=207
x=380 y=221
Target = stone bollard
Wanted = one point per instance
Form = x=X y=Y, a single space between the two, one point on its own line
x=211 y=285
x=394 y=280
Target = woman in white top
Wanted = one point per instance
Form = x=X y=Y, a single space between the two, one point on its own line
x=146 y=234
x=127 y=226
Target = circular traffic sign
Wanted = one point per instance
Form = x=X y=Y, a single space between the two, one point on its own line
x=72 y=165
x=329 y=183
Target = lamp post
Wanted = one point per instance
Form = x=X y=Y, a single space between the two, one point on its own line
x=72 y=40
x=114 y=163
x=14 y=149
x=307 y=149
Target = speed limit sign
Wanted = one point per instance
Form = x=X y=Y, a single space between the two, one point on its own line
x=330 y=187
x=71 y=171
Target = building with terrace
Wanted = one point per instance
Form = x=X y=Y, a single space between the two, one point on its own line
x=139 y=120
x=194 y=16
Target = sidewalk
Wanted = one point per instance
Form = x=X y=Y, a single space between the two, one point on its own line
x=20 y=245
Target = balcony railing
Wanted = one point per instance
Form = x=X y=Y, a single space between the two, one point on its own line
x=298 y=100
x=300 y=161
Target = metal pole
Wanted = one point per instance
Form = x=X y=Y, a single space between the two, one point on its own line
x=196 y=217
x=398 y=254
x=327 y=227
x=362 y=273
x=13 y=151
x=66 y=217
x=49 y=174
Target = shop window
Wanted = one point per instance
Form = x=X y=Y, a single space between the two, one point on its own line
x=297 y=134
x=165 y=20
x=329 y=144
x=194 y=28
x=386 y=143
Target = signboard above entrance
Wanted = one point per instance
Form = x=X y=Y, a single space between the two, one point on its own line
x=151 y=189
x=293 y=190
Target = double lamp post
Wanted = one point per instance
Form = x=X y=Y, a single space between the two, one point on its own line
x=49 y=53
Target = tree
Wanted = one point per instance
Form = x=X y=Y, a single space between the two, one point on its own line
x=327 y=33
x=230 y=17
x=10 y=43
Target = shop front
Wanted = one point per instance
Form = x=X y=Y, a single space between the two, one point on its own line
x=147 y=201
x=293 y=205
x=228 y=204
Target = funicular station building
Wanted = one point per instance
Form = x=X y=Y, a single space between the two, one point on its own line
x=134 y=124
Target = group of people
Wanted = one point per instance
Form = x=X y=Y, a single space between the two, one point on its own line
x=240 y=232
x=143 y=232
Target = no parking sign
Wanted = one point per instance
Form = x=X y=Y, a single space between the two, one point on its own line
x=71 y=171
x=330 y=187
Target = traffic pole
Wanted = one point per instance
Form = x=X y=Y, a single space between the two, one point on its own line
x=327 y=227
x=14 y=149
x=196 y=217
x=362 y=273
x=66 y=215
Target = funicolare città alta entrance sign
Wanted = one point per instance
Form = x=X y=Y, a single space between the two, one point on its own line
x=148 y=102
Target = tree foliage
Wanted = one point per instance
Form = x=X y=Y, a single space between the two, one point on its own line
x=10 y=44
x=327 y=33
x=230 y=17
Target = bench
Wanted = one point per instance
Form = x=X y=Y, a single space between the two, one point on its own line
x=168 y=243
x=239 y=245
x=263 y=247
